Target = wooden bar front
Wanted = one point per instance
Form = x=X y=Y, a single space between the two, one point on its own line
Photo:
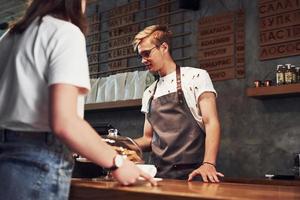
x=180 y=190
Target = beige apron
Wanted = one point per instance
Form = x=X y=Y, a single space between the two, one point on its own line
x=178 y=141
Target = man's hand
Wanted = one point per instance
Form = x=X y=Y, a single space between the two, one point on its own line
x=207 y=172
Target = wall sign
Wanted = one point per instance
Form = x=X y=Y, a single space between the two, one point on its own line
x=279 y=28
x=93 y=42
x=221 y=45
x=111 y=32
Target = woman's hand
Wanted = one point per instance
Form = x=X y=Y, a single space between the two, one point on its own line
x=129 y=174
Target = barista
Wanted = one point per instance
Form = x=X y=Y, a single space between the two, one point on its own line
x=181 y=122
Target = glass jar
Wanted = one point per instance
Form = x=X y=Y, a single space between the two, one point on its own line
x=125 y=146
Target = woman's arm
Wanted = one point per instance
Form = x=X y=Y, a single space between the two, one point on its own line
x=78 y=135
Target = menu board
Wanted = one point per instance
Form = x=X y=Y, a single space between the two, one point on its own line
x=93 y=42
x=279 y=28
x=221 y=45
x=109 y=41
x=120 y=26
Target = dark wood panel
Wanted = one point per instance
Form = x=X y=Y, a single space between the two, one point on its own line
x=240 y=48
x=240 y=60
x=240 y=71
x=119 y=42
x=228 y=17
x=112 y=31
x=217 y=63
x=115 y=104
x=264 y=1
x=121 y=53
x=216 y=52
x=280 y=20
x=222 y=74
x=121 y=21
x=279 y=29
x=94 y=68
x=117 y=64
x=93 y=58
x=79 y=193
x=223 y=40
x=240 y=20
x=280 y=35
x=125 y=9
x=92 y=38
x=222 y=47
x=280 y=50
x=240 y=37
x=182 y=189
x=94 y=28
x=264 y=181
x=278 y=6
x=282 y=90
x=215 y=30
x=124 y=30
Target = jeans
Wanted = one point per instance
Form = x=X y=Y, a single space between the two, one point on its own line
x=34 y=166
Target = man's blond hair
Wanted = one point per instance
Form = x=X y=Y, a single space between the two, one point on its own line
x=158 y=33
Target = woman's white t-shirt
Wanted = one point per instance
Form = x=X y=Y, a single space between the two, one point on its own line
x=50 y=52
x=194 y=82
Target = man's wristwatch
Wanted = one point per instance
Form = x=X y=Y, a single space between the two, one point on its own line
x=117 y=162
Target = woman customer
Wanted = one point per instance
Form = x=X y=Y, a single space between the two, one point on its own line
x=43 y=79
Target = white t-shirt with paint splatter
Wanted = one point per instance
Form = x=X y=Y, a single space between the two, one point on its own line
x=194 y=82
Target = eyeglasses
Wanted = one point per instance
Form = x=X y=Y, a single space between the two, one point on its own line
x=146 y=53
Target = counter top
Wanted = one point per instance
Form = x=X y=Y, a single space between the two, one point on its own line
x=176 y=189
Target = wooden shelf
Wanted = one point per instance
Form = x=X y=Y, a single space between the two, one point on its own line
x=274 y=91
x=132 y=103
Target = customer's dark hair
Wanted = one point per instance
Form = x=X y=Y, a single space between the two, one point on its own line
x=69 y=10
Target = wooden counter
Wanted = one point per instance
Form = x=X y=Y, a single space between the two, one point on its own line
x=175 y=189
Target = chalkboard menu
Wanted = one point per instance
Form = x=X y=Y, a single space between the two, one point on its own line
x=111 y=32
x=279 y=28
x=221 y=42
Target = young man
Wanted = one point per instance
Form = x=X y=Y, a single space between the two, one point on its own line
x=181 y=121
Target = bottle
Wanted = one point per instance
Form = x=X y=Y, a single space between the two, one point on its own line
x=298 y=74
x=294 y=74
x=288 y=75
x=279 y=75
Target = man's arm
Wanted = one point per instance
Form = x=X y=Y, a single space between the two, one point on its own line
x=145 y=141
x=208 y=108
x=207 y=103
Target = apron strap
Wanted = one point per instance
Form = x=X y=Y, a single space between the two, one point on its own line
x=179 y=88
x=151 y=98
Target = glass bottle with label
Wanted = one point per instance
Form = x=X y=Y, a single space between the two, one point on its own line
x=298 y=74
x=280 y=75
x=288 y=74
x=294 y=74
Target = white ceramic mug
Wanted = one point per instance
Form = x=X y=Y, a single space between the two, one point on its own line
x=149 y=169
